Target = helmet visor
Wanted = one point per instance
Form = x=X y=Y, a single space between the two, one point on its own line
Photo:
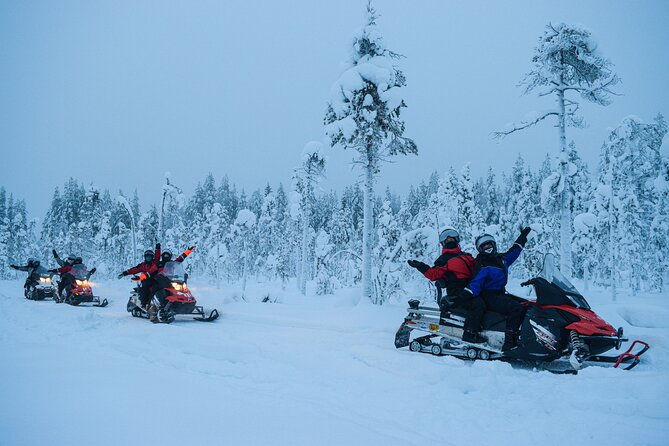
x=448 y=233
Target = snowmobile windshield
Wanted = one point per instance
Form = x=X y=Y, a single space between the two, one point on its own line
x=42 y=272
x=79 y=271
x=174 y=271
x=552 y=274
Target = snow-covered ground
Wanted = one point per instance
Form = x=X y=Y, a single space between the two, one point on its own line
x=305 y=371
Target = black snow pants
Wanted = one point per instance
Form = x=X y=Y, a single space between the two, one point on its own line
x=66 y=281
x=145 y=288
x=501 y=303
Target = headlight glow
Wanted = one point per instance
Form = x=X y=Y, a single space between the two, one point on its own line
x=45 y=279
x=179 y=286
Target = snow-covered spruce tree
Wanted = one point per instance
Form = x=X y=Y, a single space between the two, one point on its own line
x=305 y=179
x=364 y=114
x=268 y=231
x=238 y=236
x=566 y=60
x=218 y=227
x=626 y=201
x=583 y=246
x=659 y=230
x=387 y=266
x=5 y=272
x=469 y=221
x=487 y=198
x=325 y=280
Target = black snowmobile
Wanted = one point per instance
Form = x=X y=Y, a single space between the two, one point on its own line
x=559 y=325
x=39 y=285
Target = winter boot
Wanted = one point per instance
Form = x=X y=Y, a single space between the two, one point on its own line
x=510 y=340
x=153 y=313
x=473 y=337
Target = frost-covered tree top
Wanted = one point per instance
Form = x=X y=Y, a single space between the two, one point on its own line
x=567 y=59
x=634 y=147
x=365 y=102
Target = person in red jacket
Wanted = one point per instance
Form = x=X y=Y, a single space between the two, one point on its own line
x=162 y=281
x=66 y=278
x=454 y=269
x=146 y=270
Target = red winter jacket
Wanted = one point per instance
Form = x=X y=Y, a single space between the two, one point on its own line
x=455 y=267
x=146 y=267
x=64 y=269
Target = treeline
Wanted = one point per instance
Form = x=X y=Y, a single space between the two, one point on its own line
x=620 y=230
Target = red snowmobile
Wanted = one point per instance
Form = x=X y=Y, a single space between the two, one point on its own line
x=79 y=288
x=172 y=297
x=558 y=327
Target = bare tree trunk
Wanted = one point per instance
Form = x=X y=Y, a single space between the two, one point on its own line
x=565 y=212
x=613 y=251
x=367 y=279
x=304 y=263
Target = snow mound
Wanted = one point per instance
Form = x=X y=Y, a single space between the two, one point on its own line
x=645 y=316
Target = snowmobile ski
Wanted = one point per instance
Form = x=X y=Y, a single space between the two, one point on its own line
x=213 y=315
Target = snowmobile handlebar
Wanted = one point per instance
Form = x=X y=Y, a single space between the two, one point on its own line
x=528 y=282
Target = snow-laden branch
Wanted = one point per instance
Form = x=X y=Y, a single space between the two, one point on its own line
x=523 y=124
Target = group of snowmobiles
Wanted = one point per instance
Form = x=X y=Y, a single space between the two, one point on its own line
x=558 y=328
x=559 y=331
x=170 y=296
x=73 y=286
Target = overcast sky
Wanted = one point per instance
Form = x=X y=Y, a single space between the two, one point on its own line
x=119 y=92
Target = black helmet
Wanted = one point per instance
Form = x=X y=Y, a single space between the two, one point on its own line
x=33 y=263
x=485 y=244
x=70 y=259
x=78 y=261
x=149 y=255
x=449 y=233
x=166 y=256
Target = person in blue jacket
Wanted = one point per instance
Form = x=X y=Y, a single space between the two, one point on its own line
x=491 y=273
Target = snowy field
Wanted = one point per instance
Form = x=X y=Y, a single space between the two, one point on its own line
x=314 y=371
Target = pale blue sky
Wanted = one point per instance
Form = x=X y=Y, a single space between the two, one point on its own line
x=119 y=92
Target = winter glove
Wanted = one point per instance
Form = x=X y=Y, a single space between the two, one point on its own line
x=122 y=275
x=14 y=266
x=55 y=254
x=464 y=296
x=420 y=266
x=91 y=272
x=522 y=239
x=191 y=249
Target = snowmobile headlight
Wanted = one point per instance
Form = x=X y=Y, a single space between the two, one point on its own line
x=179 y=286
x=82 y=282
x=45 y=279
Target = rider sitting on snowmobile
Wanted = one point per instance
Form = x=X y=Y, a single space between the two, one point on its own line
x=454 y=269
x=148 y=267
x=67 y=279
x=30 y=268
x=489 y=282
x=162 y=281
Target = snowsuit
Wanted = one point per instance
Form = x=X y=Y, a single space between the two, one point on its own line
x=27 y=269
x=163 y=282
x=145 y=270
x=489 y=282
x=453 y=270
x=66 y=279
x=454 y=267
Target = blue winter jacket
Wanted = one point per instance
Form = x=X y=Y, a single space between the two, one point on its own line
x=492 y=272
